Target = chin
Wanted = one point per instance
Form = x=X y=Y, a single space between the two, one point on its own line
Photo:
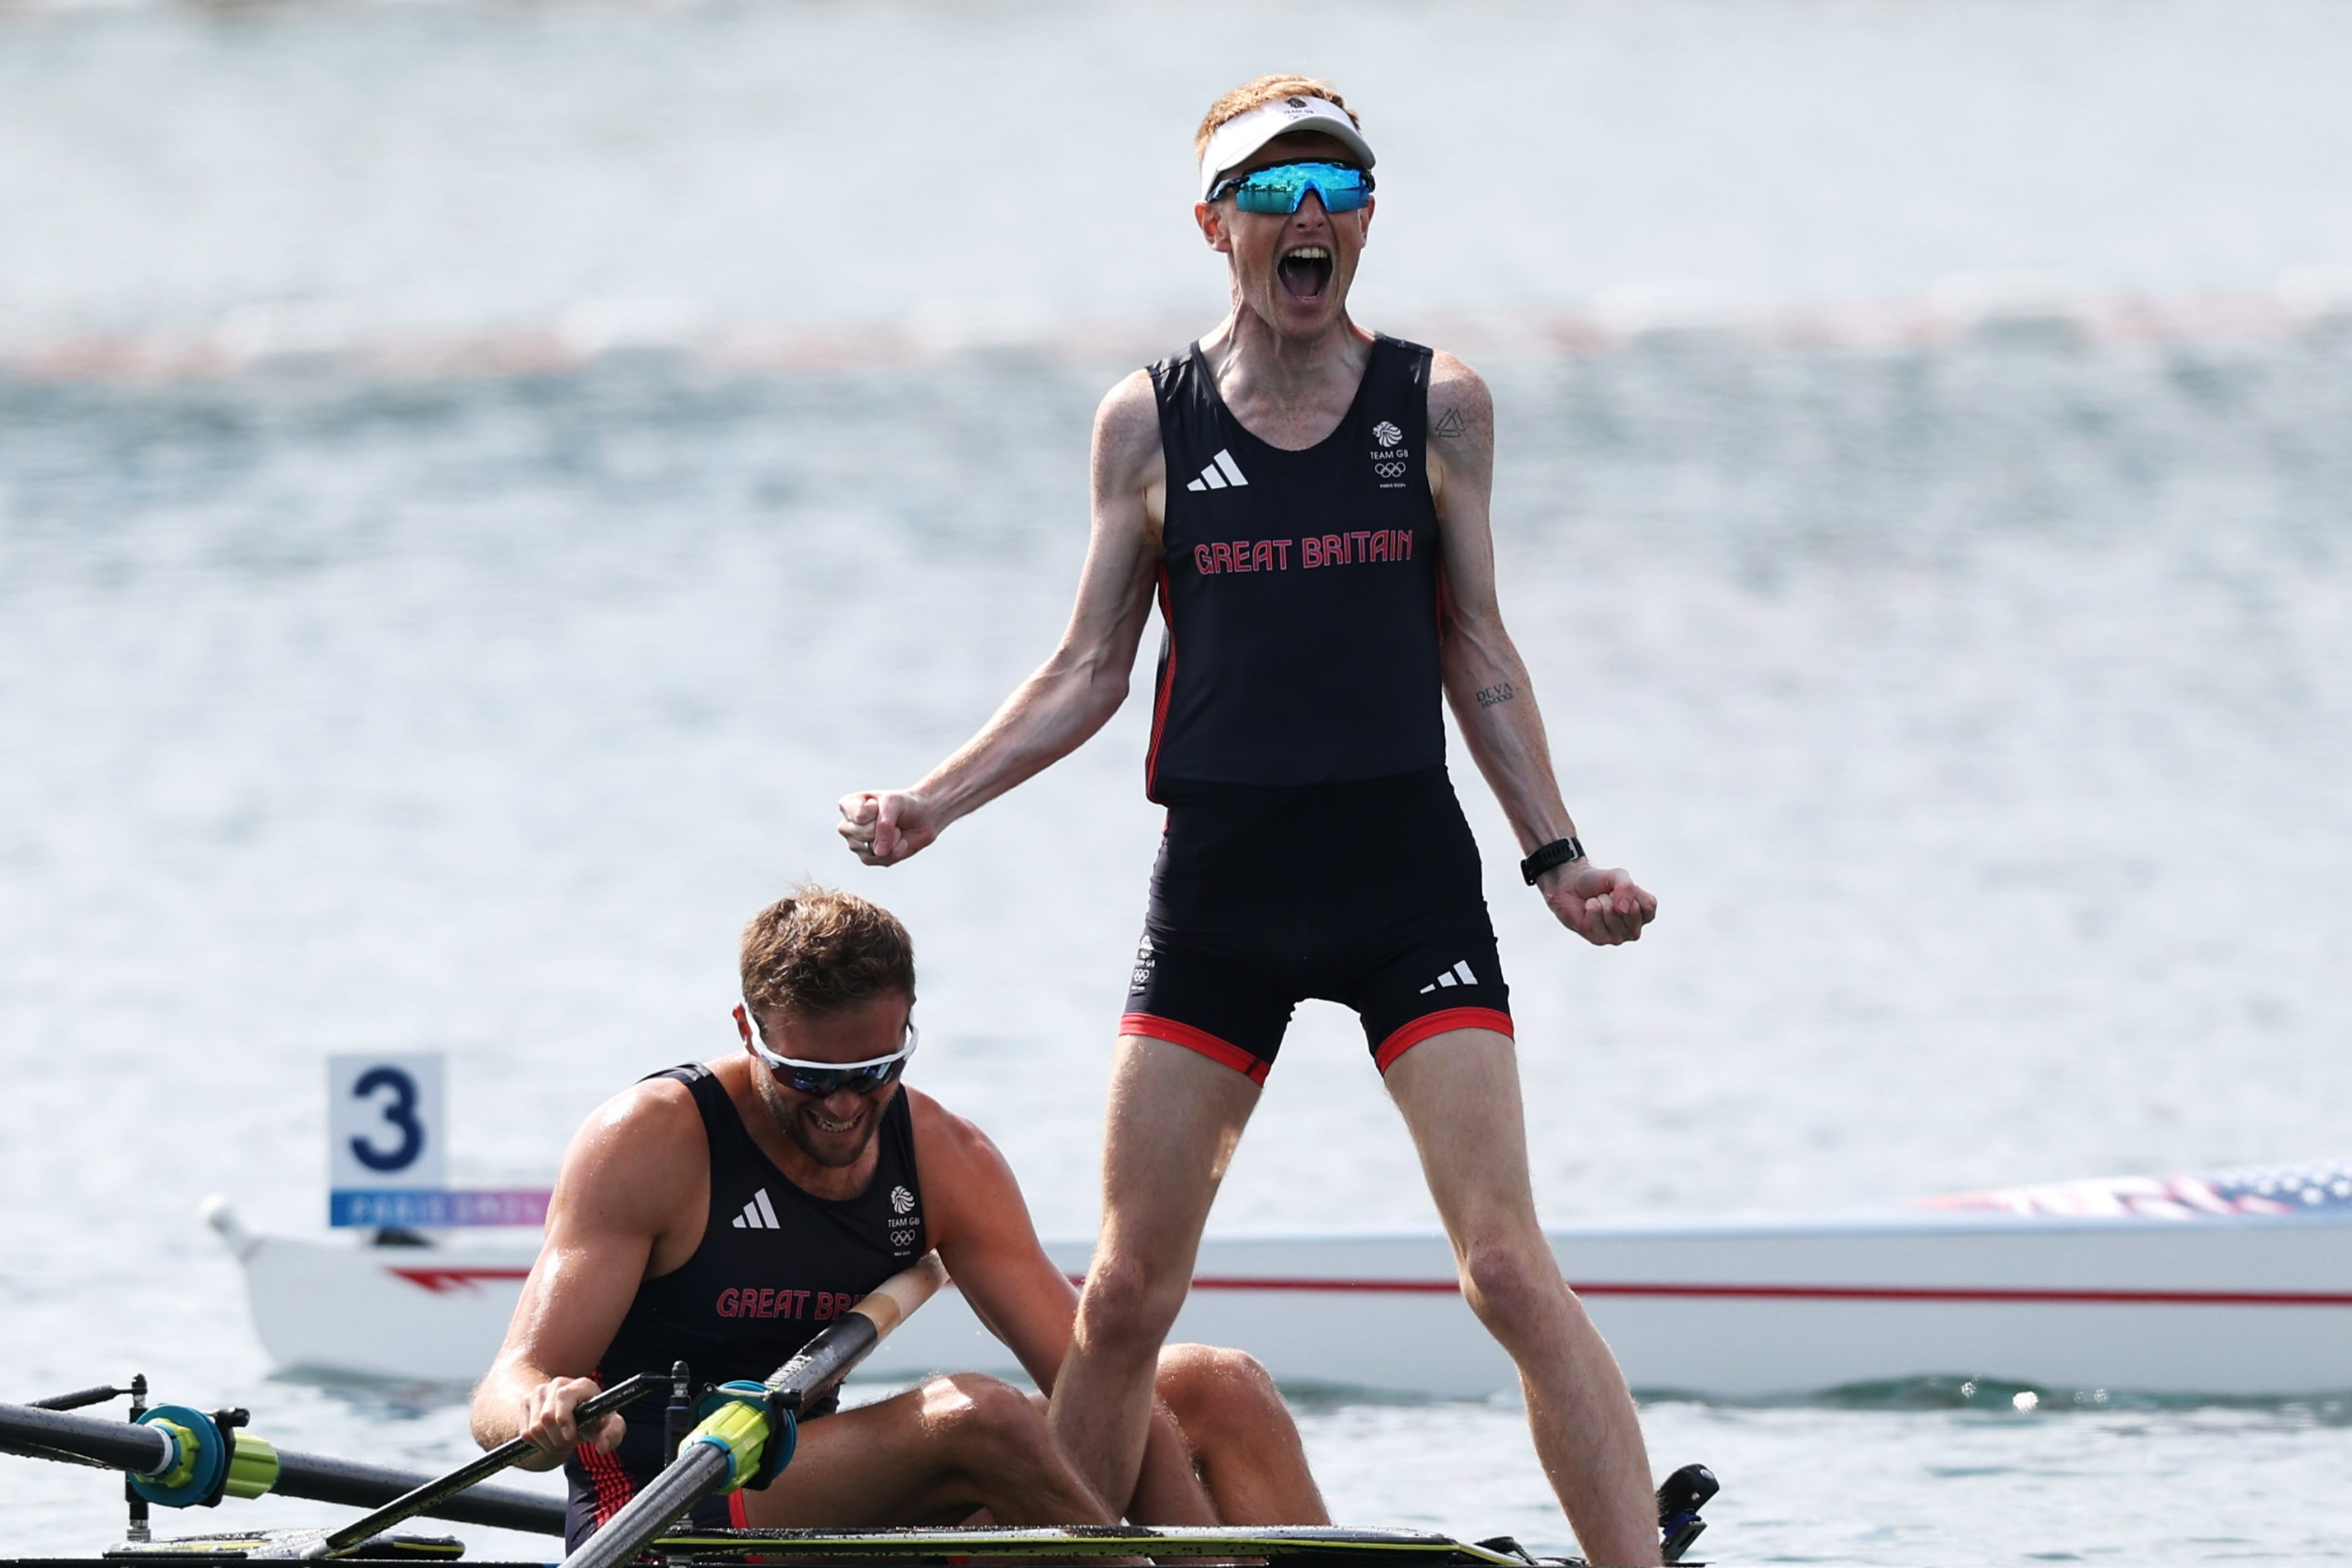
x=833 y=1149
x=1297 y=319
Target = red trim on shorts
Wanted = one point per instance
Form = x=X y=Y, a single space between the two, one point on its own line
x=1432 y=1024
x=1152 y=1027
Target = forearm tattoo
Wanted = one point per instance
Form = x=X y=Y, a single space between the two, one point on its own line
x=1489 y=696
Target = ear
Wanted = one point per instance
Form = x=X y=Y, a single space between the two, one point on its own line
x=743 y=1026
x=1211 y=220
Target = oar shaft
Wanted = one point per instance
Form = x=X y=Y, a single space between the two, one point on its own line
x=60 y=1456
x=702 y=1467
x=144 y=1451
x=698 y=1470
x=323 y=1479
x=440 y=1489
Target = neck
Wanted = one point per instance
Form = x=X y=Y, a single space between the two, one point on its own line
x=1286 y=367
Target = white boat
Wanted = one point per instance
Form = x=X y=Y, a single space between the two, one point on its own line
x=2237 y=1283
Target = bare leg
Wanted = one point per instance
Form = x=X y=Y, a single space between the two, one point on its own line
x=1174 y=1118
x=1168 y=1488
x=1460 y=1095
x=930 y=1455
x=1244 y=1442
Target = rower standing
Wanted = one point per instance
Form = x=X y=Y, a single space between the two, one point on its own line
x=1307 y=502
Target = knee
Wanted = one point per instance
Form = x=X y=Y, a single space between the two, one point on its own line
x=1211 y=1389
x=1128 y=1304
x=1512 y=1284
x=986 y=1424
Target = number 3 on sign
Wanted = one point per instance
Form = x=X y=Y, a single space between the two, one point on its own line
x=385 y=1122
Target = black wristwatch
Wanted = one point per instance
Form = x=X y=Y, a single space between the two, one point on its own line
x=1559 y=852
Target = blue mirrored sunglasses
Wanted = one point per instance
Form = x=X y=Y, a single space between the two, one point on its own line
x=819 y=1079
x=1281 y=188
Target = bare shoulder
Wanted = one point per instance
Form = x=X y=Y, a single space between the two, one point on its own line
x=967 y=1181
x=627 y=1159
x=1460 y=434
x=1461 y=408
x=947 y=1142
x=1131 y=409
x=1127 y=434
x=650 y=1109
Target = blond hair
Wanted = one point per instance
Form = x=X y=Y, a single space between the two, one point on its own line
x=1265 y=89
x=818 y=950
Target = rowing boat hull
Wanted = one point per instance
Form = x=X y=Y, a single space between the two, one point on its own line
x=2233 y=1304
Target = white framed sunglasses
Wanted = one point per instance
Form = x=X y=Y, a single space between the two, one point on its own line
x=819 y=1079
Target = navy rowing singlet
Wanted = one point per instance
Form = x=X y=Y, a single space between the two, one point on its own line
x=1298 y=589
x=774 y=1267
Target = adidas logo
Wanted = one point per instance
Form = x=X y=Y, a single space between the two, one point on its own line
x=759 y=1213
x=1458 y=976
x=1221 y=472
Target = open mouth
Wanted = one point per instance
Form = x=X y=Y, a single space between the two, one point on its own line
x=1304 y=272
x=824 y=1123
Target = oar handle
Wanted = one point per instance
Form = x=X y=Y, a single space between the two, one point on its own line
x=828 y=1358
x=710 y=1459
x=896 y=1297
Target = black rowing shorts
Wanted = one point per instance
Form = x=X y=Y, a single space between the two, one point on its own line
x=1364 y=893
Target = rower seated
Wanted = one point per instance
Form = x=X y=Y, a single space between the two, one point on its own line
x=723 y=1213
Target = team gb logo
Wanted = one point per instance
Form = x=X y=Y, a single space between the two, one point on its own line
x=901 y=1200
x=1386 y=434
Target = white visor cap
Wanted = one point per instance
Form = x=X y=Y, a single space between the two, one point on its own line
x=1245 y=133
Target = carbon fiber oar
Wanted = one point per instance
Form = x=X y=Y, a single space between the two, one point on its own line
x=118 y=1444
x=97 y=1394
x=746 y=1435
x=424 y=1498
x=242 y=1465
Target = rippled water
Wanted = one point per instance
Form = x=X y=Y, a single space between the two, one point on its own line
x=1980 y=713
x=1005 y=170
x=1978 y=709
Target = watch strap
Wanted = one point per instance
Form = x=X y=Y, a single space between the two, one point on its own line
x=1559 y=852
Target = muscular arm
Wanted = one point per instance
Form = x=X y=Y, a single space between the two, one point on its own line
x=980 y=1224
x=1078 y=688
x=622 y=1184
x=1485 y=683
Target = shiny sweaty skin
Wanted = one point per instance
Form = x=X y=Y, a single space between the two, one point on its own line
x=1287 y=363
x=776 y=1265
x=634 y=1199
